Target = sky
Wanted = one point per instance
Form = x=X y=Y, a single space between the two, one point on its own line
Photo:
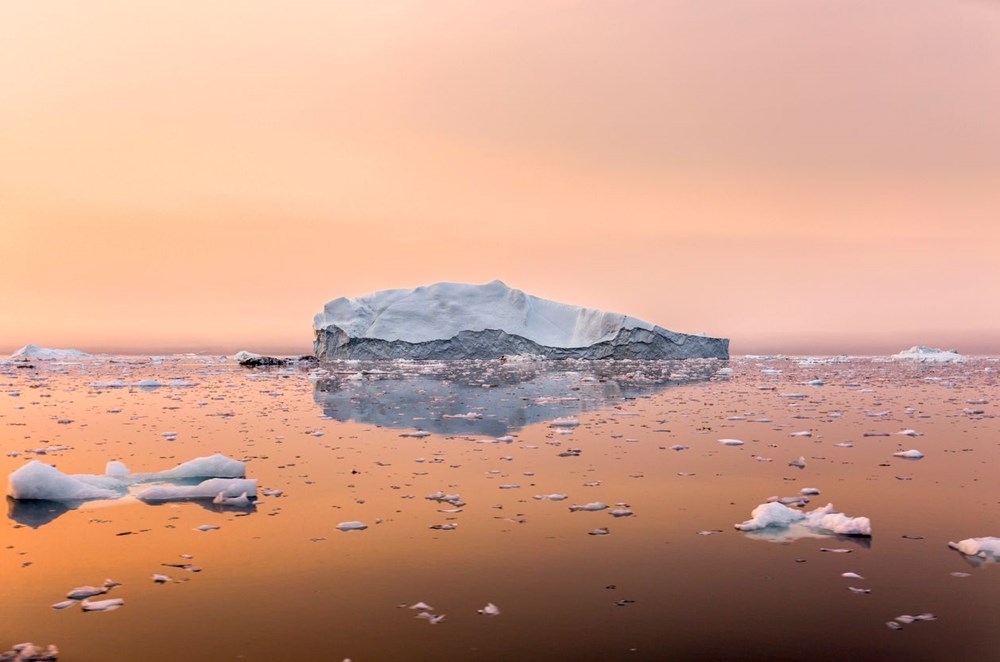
x=800 y=177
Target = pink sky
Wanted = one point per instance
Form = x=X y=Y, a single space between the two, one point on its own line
x=797 y=176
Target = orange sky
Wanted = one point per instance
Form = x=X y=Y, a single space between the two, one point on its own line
x=815 y=176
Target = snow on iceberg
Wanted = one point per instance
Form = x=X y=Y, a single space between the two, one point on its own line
x=460 y=321
x=48 y=354
x=778 y=515
x=924 y=354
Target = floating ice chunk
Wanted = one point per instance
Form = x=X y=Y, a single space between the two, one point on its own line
x=800 y=462
x=419 y=434
x=431 y=618
x=912 y=454
x=551 y=497
x=81 y=592
x=851 y=575
x=160 y=579
x=490 y=610
x=468 y=416
x=809 y=491
x=423 y=606
x=207 y=527
x=64 y=604
x=244 y=355
x=565 y=422
x=603 y=531
x=352 y=526
x=117 y=470
x=621 y=512
x=984 y=548
x=445 y=527
x=40 y=481
x=730 y=442
x=590 y=507
x=678 y=447
x=823 y=519
x=855 y=589
x=212 y=466
x=29 y=652
x=218 y=489
x=102 y=605
x=241 y=501
x=803 y=433
x=893 y=625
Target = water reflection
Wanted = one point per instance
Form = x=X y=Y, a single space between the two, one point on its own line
x=38 y=513
x=492 y=397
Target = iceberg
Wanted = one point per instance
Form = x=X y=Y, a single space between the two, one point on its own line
x=49 y=354
x=984 y=548
x=924 y=354
x=491 y=321
x=39 y=481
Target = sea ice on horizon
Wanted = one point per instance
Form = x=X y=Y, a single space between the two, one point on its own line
x=49 y=353
x=924 y=354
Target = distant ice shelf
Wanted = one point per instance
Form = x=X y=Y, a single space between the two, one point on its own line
x=49 y=354
x=461 y=321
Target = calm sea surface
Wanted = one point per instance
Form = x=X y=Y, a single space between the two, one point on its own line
x=674 y=580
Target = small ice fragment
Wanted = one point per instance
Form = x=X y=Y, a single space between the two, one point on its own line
x=110 y=583
x=960 y=574
x=589 y=507
x=102 y=605
x=905 y=618
x=352 y=526
x=851 y=575
x=551 y=497
x=64 y=604
x=909 y=433
x=893 y=625
x=854 y=589
x=444 y=527
x=621 y=512
x=433 y=620
x=800 y=462
x=803 y=433
x=925 y=617
x=809 y=491
x=730 y=442
x=83 y=592
x=709 y=532
x=912 y=454
x=160 y=579
x=207 y=527
x=603 y=531
x=566 y=422
x=836 y=550
x=419 y=434
x=490 y=610
x=422 y=606
x=678 y=447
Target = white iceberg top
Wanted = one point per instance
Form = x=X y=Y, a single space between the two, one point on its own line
x=443 y=310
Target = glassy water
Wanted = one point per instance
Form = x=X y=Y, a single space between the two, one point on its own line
x=369 y=443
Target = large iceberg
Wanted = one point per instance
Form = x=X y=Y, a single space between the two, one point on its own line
x=924 y=354
x=459 y=321
x=48 y=354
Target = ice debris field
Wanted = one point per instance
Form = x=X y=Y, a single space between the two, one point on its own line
x=499 y=510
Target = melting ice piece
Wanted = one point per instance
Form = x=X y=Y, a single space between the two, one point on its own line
x=217 y=489
x=565 y=422
x=851 y=575
x=603 y=531
x=102 y=605
x=64 y=604
x=803 y=433
x=551 y=497
x=912 y=454
x=984 y=548
x=39 y=481
x=730 y=442
x=590 y=507
x=431 y=618
x=800 y=462
x=160 y=579
x=678 y=447
x=352 y=526
x=621 y=512
x=445 y=527
x=419 y=434
x=241 y=501
x=809 y=491
x=490 y=610
x=775 y=514
x=909 y=433
x=207 y=527
x=893 y=625
x=29 y=652
x=422 y=606
x=855 y=589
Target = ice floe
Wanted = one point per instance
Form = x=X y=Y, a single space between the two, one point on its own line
x=777 y=515
x=987 y=548
x=924 y=354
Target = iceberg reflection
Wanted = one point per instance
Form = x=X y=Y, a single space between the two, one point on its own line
x=491 y=397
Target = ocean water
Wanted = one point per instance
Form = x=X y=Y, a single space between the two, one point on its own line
x=369 y=442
